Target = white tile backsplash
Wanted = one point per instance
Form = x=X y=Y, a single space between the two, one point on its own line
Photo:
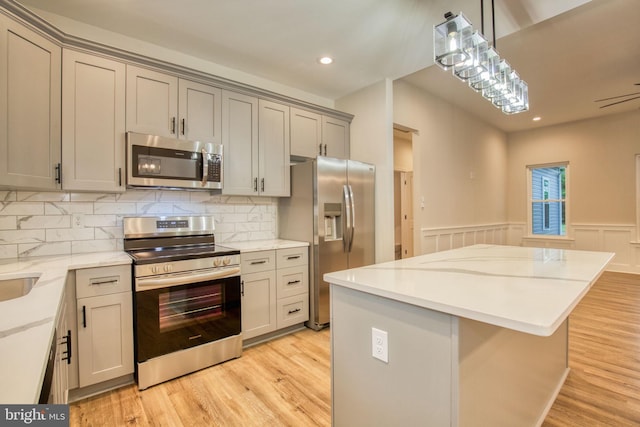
x=41 y=223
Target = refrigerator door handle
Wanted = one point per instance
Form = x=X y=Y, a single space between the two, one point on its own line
x=346 y=236
x=353 y=218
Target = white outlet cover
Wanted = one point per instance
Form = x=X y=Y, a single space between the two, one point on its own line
x=380 y=345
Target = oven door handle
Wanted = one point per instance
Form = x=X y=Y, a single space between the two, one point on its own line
x=155 y=282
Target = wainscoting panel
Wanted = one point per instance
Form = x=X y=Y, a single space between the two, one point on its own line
x=442 y=239
x=620 y=239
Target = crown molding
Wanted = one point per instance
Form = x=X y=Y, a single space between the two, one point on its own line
x=18 y=12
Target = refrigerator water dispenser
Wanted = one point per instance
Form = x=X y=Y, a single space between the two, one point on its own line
x=332 y=221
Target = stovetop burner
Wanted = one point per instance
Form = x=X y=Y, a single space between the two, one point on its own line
x=164 y=239
x=148 y=256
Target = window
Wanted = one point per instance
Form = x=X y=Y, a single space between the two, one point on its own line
x=547 y=200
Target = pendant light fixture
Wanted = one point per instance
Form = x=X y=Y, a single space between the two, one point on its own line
x=472 y=59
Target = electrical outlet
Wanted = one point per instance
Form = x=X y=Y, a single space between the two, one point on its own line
x=77 y=220
x=380 y=345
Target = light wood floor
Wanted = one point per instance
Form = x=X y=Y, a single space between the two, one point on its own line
x=286 y=382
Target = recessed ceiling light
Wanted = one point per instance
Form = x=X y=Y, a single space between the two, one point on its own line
x=537 y=118
x=325 y=60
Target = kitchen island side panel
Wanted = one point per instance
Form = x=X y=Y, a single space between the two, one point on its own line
x=508 y=378
x=414 y=388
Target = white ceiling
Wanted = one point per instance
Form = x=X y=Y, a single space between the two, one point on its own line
x=569 y=51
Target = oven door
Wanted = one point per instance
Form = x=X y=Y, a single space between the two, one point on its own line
x=173 y=318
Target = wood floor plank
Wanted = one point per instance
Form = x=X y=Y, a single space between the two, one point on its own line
x=286 y=382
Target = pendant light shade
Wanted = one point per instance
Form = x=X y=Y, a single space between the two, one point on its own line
x=472 y=59
x=451 y=42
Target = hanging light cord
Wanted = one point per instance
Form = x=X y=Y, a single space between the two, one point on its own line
x=493 y=20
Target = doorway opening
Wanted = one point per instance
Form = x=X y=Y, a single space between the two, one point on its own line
x=403 y=191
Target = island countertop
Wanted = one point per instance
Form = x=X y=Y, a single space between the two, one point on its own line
x=531 y=290
x=27 y=324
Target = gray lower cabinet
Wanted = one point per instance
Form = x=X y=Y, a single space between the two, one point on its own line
x=275 y=290
x=29 y=108
x=60 y=383
x=105 y=324
x=258 y=293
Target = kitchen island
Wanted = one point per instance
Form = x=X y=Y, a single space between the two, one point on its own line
x=475 y=336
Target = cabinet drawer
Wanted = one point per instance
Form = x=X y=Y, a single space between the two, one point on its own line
x=292 y=257
x=293 y=310
x=254 y=262
x=92 y=282
x=293 y=281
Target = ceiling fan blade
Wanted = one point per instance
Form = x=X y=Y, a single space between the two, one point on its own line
x=620 y=102
x=616 y=97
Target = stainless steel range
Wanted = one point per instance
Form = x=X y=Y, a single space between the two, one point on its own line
x=186 y=296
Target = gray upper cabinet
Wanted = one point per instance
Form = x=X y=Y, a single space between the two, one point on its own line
x=335 y=137
x=93 y=122
x=256 y=144
x=313 y=135
x=164 y=105
x=273 y=146
x=306 y=133
x=152 y=102
x=29 y=108
x=200 y=108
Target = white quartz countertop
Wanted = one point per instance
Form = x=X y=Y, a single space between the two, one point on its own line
x=530 y=290
x=264 y=245
x=27 y=324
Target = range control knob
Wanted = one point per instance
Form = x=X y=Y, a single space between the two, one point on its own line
x=155 y=269
x=168 y=268
x=226 y=261
x=216 y=262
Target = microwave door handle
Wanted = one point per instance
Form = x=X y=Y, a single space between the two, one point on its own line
x=205 y=167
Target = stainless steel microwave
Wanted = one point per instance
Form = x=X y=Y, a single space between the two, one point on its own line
x=156 y=161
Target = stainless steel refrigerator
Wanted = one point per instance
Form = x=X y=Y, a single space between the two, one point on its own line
x=331 y=207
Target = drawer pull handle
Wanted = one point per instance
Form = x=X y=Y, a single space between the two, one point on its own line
x=84 y=316
x=294 y=311
x=102 y=281
x=258 y=262
x=293 y=282
x=293 y=257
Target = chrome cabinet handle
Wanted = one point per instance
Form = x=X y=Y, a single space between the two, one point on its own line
x=255 y=184
x=262 y=185
x=258 y=262
x=325 y=149
x=320 y=149
x=293 y=257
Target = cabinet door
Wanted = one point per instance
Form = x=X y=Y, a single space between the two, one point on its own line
x=258 y=304
x=93 y=122
x=273 y=146
x=29 y=108
x=200 y=109
x=105 y=338
x=240 y=143
x=306 y=133
x=335 y=137
x=152 y=102
x=60 y=386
